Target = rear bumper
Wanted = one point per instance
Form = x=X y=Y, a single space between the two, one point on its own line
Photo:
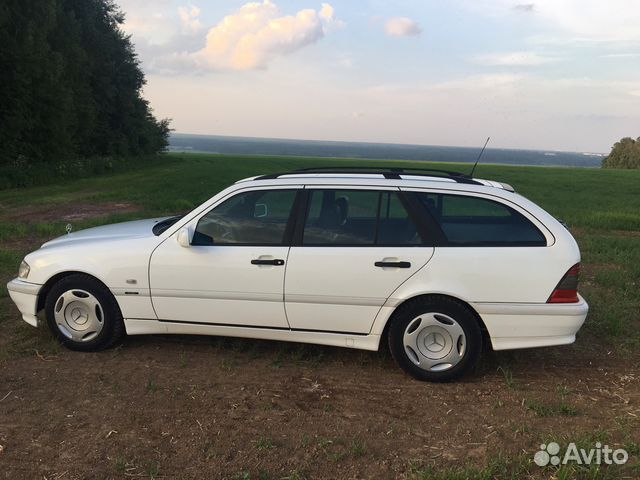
x=25 y=296
x=532 y=325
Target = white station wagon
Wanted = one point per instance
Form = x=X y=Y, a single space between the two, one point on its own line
x=432 y=262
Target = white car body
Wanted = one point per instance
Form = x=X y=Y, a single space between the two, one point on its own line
x=330 y=296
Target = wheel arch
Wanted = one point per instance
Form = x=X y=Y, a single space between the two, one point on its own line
x=48 y=285
x=483 y=327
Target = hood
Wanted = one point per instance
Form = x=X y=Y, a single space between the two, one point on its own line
x=116 y=231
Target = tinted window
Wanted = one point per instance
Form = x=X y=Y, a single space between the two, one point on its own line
x=467 y=220
x=357 y=217
x=252 y=218
x=395 y=227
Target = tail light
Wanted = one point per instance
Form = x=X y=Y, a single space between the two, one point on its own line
x=567 y=289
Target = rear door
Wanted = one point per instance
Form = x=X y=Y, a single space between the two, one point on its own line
x=352 y=249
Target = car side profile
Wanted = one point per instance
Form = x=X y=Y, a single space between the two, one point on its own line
x=434 y=263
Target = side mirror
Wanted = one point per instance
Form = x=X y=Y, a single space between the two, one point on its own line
x=184 y=237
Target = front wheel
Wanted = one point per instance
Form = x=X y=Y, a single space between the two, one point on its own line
x=435 y=338
x=83 y=314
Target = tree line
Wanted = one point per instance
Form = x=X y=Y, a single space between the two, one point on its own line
x=624 y=154
x=70 y=85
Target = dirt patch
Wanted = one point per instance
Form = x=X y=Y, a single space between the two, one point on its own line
x=626 y=233
x=75 y=212
x=600 y=267
x=579 y=232
x=71 y=213
x=589 y=271
x=206 y=407
x=25 y=244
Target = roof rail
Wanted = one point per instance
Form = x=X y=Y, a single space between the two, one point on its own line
x=388 y=172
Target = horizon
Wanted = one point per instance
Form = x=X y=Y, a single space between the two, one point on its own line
x=539 y=74
x=470 y=147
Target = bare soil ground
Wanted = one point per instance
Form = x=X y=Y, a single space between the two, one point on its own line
x=207 y=407
x=79 y=211
x=191 y=407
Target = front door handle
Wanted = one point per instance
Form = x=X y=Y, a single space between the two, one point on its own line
x=393 y=264
x=263 y=261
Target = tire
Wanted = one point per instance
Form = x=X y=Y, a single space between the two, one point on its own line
x=435 y=338
x=83 y=314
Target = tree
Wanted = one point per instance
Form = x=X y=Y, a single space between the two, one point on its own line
x=70 y=84
x=624 y=154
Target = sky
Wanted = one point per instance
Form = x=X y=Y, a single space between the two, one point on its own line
x=541 y=74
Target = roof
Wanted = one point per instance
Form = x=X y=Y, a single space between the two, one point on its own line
x=382 y=173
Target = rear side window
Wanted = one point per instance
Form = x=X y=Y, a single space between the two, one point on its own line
x=394 y=225
x=358 y=217
x=474 y=221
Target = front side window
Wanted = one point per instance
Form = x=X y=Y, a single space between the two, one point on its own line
x=474 y=221
x=357 y=217
x=259 y=217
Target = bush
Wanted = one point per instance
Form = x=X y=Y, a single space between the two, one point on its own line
x=624 y=154
x=23 y=174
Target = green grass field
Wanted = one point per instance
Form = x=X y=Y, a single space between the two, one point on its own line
x=602 y=208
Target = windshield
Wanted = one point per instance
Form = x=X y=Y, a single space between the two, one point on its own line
x=162 y=226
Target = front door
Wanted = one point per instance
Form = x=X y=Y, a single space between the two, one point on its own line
x=233 y=271
x=356 y=247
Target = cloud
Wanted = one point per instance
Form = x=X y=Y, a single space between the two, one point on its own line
x=257 y=34
x=490 y=82
x=189 y=19
x=614 y=20
x=402 y=27
x=603 y=21
x=154 y=22
x=514 y=59
x=525 y=7
x=172 y=39
x=621 y=55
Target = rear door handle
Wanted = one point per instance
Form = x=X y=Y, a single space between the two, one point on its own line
x=262 y=261
x=393 y=264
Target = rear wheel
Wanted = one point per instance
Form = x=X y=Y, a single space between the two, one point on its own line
x=435 y=338
x=83 y=314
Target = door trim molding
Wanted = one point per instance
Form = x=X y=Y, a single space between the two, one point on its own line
x=334 y=300
x=215 y=295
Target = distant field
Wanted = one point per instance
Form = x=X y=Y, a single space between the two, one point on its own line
x=191 y=389
x=224 y=145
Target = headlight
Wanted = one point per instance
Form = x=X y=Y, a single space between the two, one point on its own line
x=23 y=271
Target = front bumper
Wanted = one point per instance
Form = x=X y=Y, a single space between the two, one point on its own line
x=25 y=296
x=521 y=325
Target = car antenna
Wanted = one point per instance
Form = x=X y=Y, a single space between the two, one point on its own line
x=479 y=156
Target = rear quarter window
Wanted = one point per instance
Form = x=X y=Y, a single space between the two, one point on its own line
x=474 y=221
